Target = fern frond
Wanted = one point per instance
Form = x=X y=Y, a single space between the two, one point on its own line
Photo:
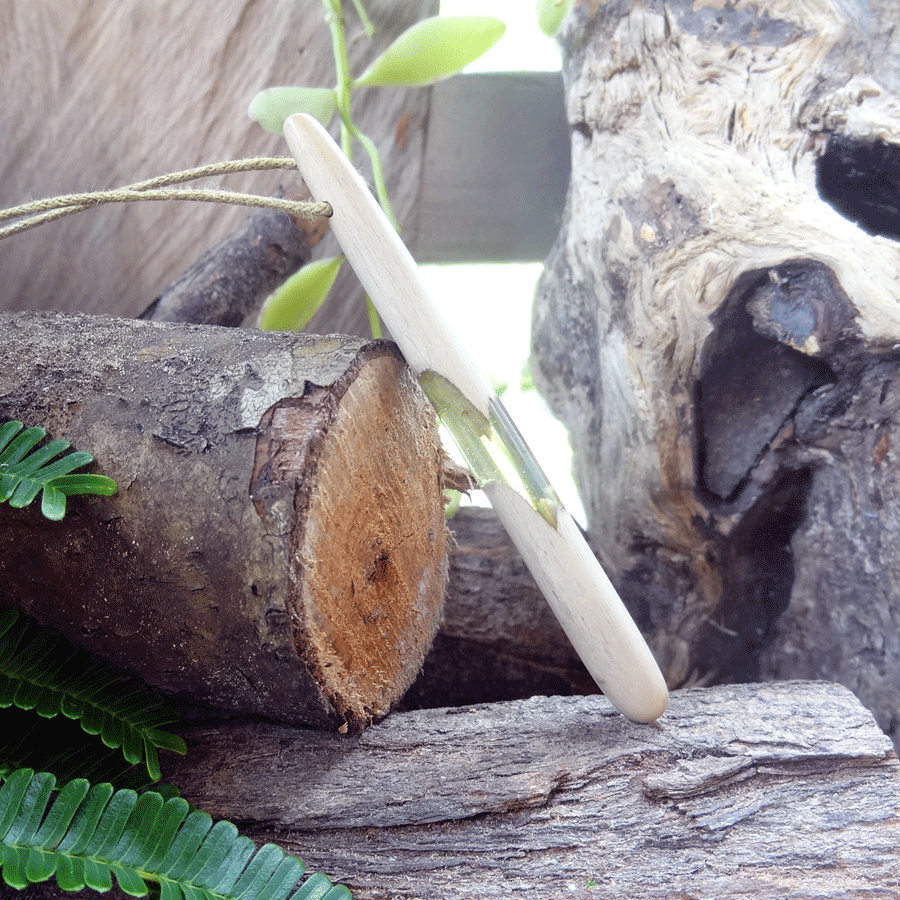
x=25 y=471
x=91 y=834
x=41 y=671
x=61 y=746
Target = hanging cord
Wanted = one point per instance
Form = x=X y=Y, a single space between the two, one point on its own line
x=39 y=212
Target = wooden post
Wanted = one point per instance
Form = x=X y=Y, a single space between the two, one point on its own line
x=496 y=168
x=277 y=546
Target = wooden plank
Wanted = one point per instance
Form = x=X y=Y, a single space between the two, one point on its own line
x=496 y=169
x=122 y=95
x=786 y=790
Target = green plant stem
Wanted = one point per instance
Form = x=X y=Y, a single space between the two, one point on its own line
x=377 y=175
x=344 y=91
x=367 y=25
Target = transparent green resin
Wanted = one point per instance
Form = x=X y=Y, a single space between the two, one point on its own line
x=492 y=446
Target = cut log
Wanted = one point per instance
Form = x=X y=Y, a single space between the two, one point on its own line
x=745 y=791
x=277 y=546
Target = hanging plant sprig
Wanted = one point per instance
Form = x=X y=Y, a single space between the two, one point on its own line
x=432 y=49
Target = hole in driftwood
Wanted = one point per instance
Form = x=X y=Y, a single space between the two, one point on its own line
x=861 y=180
x=757 y=577
x=751 y=383
x=762 y=360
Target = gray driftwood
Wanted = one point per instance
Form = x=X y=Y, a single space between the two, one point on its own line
x=745 y=791
x=277 y=546
x=718 y=327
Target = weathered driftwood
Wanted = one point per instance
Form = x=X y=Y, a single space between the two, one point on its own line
x=722 y=342
x=277 y=546
x=106 y=96
x=743 y=791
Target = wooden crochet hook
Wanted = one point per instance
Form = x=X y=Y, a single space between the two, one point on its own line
x=573 y=582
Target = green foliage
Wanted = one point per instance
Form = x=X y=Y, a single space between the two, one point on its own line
x=296 y=301
x=273 y=105
x=40 y=671
x=551 y=14
x=431 y=49
x=25 y=471
x=88 y=834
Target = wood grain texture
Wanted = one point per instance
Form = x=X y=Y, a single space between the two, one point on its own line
x=746 y=791
x=277 y=546
x=722 y=342
x=108 y=95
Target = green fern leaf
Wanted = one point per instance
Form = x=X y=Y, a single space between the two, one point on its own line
x=319 y=887
x=53 y=504
x=91 y=835
x=17 y=448
x=40 y=671
x=26 y=472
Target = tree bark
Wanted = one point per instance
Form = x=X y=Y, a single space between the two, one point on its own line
x=718 y=328
x=230 y=282
x=735 y=790
x=277 y=546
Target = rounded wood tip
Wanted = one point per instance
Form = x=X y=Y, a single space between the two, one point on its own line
x=651 y=705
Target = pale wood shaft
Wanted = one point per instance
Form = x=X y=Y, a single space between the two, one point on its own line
x=577 y=589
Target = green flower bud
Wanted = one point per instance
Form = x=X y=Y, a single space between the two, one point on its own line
x=550 y=15
x=273 y=105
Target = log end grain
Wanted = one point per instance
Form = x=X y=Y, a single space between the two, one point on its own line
x=369 y=547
